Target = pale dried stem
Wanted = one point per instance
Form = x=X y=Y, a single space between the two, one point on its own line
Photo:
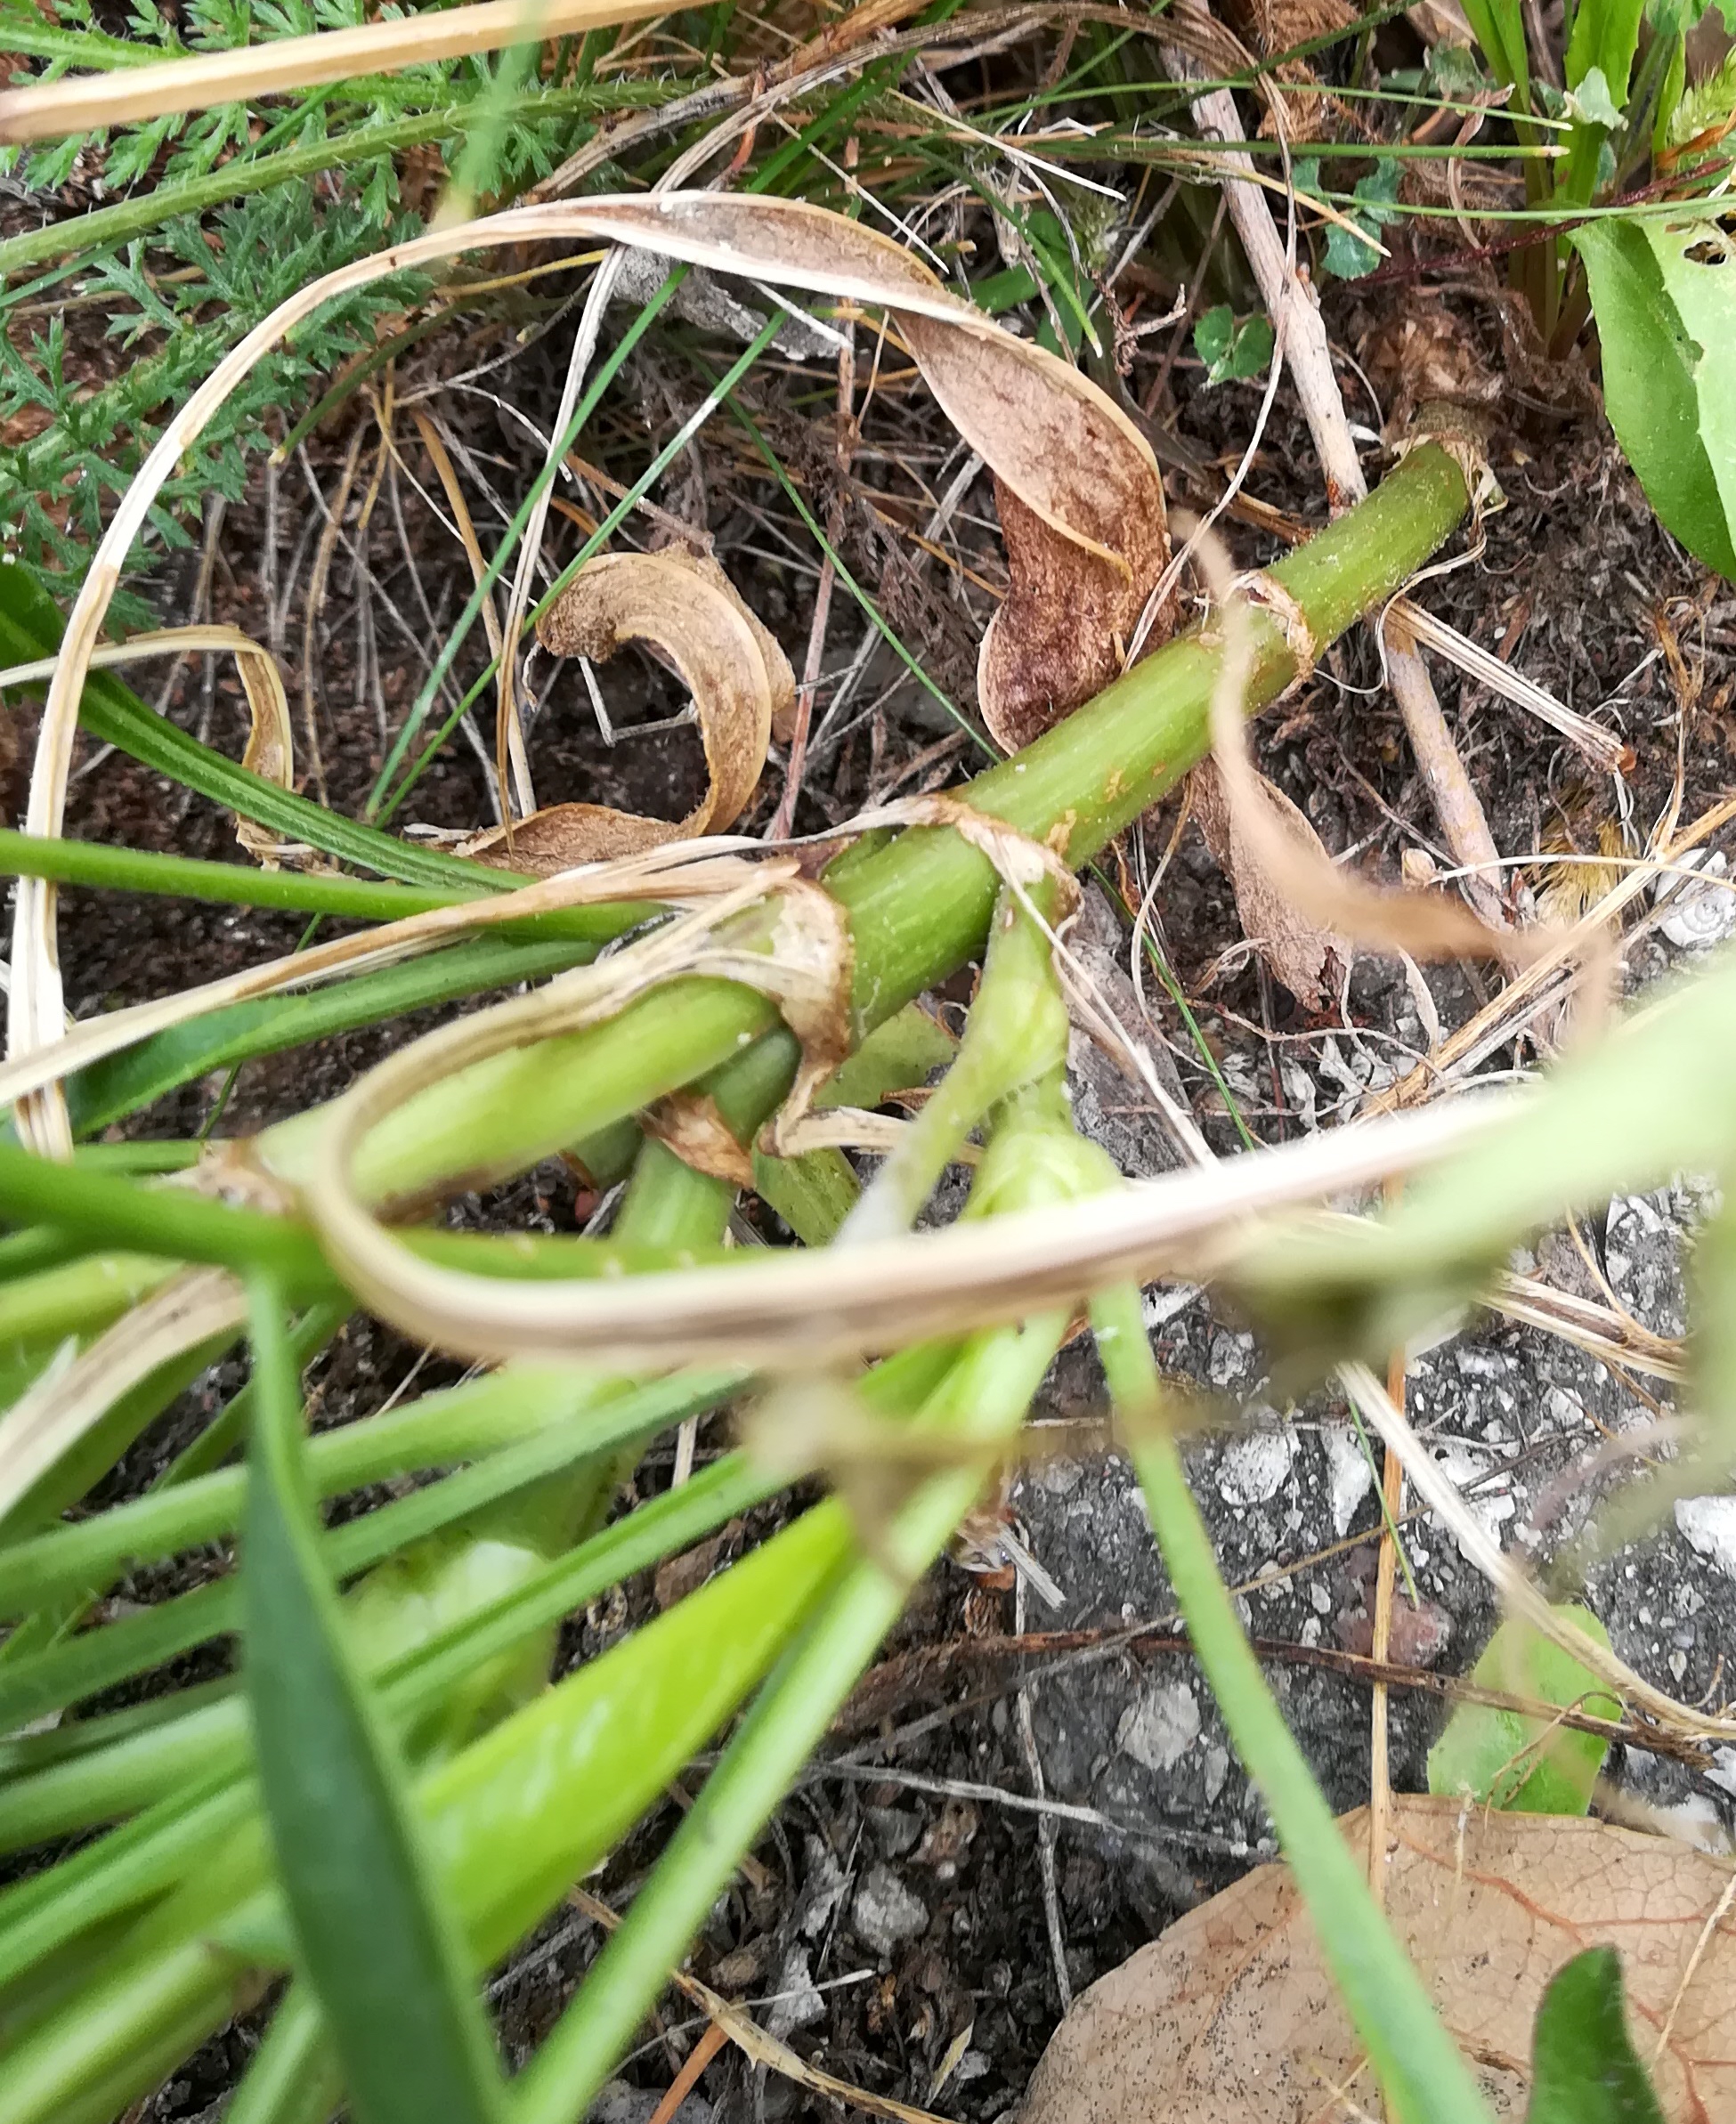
x=90 y=104
x=1603 y=749
x=446 y=472
x=813 y=1307
x=1484 y=1553
x=1300 y=330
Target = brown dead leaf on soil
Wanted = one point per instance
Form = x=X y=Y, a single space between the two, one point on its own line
x=1302 y=955
x=1232 y=2013
x=686 y=607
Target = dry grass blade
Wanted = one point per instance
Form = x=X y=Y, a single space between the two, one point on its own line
x=54 y=1413
x=1518 y=1594
x=446 y=472
x=271 y=747
x=685 y=606
x=1603 y=749
x=795 y=1310
x=86 y=103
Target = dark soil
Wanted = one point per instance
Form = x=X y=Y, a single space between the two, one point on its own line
x=894 y=1922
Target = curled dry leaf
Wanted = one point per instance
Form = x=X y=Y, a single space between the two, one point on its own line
x=1232 y=2014
x=271 y=747
x=1268 y=837
x=687 y=609
x=1081 y=499
x=1301 y=954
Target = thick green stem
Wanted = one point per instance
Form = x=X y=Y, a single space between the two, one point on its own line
x=919 y=908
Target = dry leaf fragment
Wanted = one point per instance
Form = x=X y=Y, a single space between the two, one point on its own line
x=687 y=608
x=1232 y=2014
x=1302 y=955
x=1082 y=502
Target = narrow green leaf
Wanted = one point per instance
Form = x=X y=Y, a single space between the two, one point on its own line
x=97 y=1659
x=1424 y=2078
x=1606 y=35
x=1527 y=1766
x=1583 y=2067
x=378 y=1945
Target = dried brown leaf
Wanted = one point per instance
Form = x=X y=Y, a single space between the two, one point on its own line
x=1082 y=502
x=1300 y=953
x=1293 y=865
x=1232 y=2013
x=686 y=608
x=691 y=1125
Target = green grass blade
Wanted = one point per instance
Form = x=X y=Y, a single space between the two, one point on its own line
x=49 y=1680
x=31 y=628
x=123 y=1083
x=378 y=1946
x=1419 y=2066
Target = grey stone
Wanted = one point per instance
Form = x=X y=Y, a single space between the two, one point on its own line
x=1160 y=1729
x=617 y=2103
x=886 y=1913
x=1256 y=1465
x=1709 y=1525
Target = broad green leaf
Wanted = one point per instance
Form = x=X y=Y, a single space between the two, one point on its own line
x=1232 y=349
x=1528 y=1766
x=1348 y=255
x=1606 y=35
x=371 y=1926
x=1668 y=323
x=1584 y=2070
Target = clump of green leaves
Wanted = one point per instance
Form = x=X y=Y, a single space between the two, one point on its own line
x=1350 y=252
x=1233 y=348
x=55 y=490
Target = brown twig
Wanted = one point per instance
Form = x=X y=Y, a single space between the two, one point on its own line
x=754 y=2042
x=699 y=2057
x=892 y=1679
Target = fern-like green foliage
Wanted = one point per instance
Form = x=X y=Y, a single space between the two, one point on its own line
x=179 y=297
